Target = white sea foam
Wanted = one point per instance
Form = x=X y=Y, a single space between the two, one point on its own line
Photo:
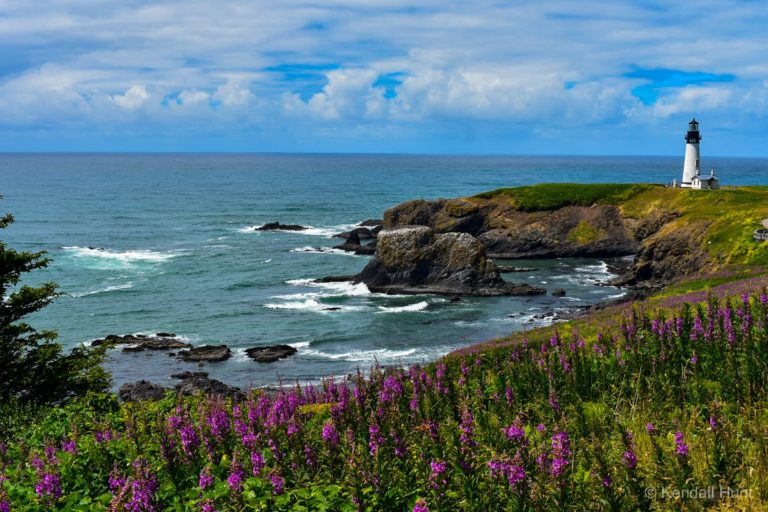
x=382 y=355
x=419 y=306
x=103 y=290
x=300 y=344
x=341 y=288
x=599 y=270
x=311 y=304
x=120 y=257
x=322 y=250
x=326 y=232
x=617 y=296
x=249 y=229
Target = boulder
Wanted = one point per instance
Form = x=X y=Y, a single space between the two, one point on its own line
x=209 y=387
x=206 y=353
x=558 y=292
x=416 y=260
x=271 y=353
x=276 y=226
x=141 y=390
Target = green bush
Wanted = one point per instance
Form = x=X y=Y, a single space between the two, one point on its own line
x=35 y=371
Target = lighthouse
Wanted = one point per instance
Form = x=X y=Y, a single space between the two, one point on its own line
x=692 y=165
x=692 y=177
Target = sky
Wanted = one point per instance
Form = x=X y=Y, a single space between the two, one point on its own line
x=384 y=76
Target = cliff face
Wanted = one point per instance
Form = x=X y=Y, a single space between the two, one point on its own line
x=670 y=231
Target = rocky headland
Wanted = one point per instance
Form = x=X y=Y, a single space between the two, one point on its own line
x=672 y=233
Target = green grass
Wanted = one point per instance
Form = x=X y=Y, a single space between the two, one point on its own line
x=552 y=196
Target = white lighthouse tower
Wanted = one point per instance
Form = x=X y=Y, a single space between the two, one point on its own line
x=692 y=177
x=692 y=165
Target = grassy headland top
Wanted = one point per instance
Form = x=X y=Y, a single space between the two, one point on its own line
x=725 y=218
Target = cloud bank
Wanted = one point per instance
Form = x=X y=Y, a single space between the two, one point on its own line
x=425 y=76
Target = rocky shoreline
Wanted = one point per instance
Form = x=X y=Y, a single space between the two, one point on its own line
x=443 y=247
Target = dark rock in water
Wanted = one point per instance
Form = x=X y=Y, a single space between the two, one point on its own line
x=507 y=268
x=165 y=335
x=426 y=322
x=334 y=279
x=189 y=375
x=271 y=353
x=333 y=308
x=456 y=299
x=206 y=353
x=209 y=387
x=367 y=249
x=416 y=260
x=276 y=226
x=141 y=390
x=353 y=244
x=372 y=222
x=139 y=342
x=558 y=292
x=362 y=233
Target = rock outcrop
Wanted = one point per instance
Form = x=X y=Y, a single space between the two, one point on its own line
x=507 y=233
x=141 y=390
x=209 y=387
x=271 y=353
x=353 y=244
x=665 y=246
x=206 y=353
x=140 y=342
x=415 y=259
x=276 y=226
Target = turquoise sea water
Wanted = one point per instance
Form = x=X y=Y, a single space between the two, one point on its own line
x=148 y=243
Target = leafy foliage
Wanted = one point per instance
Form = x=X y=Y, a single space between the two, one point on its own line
x=34 y=370
x=670 y=400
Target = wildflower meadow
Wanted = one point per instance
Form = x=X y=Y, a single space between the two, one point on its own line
x=666 y=411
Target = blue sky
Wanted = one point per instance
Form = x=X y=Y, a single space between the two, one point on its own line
x=431 y=76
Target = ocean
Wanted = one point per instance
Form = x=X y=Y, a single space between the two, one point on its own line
x=144 y=243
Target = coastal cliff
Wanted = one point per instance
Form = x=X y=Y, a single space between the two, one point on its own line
x=673 y=233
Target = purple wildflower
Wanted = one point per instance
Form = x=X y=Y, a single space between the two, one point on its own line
x=257 y=461
x=681 y=448
x=630 y=459
x=650 y=428
x=561 y=451
x=375 y=438
x=48 y=488
x=330 y=435
x=420 y=506
x=206 y=478
x=235 y=479
x=69 y=446
x=207 y=506
x=278 y=484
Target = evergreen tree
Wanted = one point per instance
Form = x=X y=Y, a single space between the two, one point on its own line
x=34 y=368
